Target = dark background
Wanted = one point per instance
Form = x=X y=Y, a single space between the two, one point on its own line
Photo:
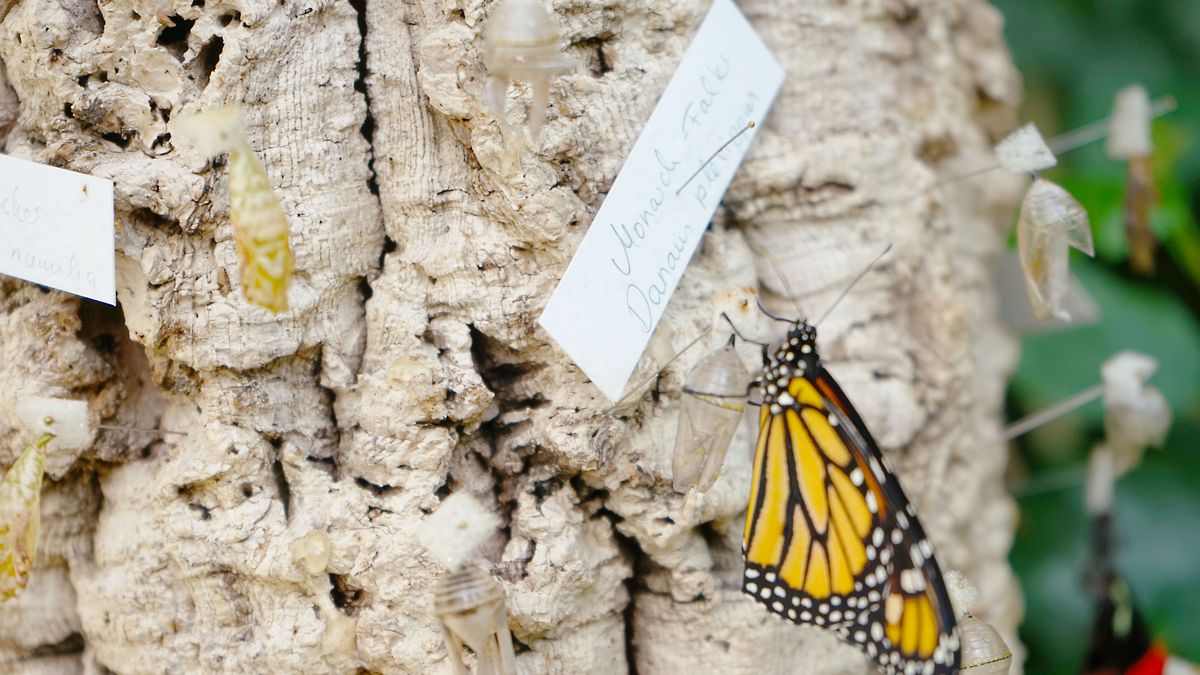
x=1074 y=56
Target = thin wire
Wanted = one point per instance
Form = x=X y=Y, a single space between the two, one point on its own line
x=1089 y=133
x=708 y=161
x=1067 y=141
x=1053 y=482
x=661 y=368
x=857 y=279
x=147 y=430
x=1027 y=424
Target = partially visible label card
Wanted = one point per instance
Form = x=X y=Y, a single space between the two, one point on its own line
x=633 y=255
x=56 y=229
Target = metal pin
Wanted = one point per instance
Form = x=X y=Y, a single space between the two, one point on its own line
x=721 y=149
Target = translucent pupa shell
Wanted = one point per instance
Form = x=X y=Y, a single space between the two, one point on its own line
x=522 y=43
x=260 y=227
x=983 y=650
x=1051 y=222
x=714 y=397
x=471 y=607
x=20 y=517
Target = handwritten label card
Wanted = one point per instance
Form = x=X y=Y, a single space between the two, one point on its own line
x=56 y=229
x=633 y=255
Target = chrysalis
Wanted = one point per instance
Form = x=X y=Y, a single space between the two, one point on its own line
x=1051 y=221
x=260 y=227
x=468 y=601
x=20 y=517
x=471 y=607
x=714 y=397
x=983 y=650
x=1129 y=140
x=522 y=43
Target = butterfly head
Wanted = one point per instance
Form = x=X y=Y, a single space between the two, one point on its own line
x=796 y=355
x=799 y=348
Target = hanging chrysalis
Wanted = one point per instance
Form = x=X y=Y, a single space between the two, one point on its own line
x=983 y=650
x=467 y=600
x=1129 y=140
x=522 y=44
x=260 y=227
x=20 y=517
x=1051 y=221
x=471 y=607
x=714 y=397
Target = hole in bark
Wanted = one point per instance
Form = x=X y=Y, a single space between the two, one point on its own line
x=205 y=513
x=197 y=3
x=174 y=38
x=247 y=490
x=72 y=644
x=226 y=19
x=373 y=488
x=83 y=79
x=346 y=597
x=67 y=112
x=281 y=485
x=120 y=140
x=104 y=343
x=161 y=139
x=210 y=56
x=364 y=287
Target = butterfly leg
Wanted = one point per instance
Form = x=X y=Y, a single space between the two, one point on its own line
x=763 y=345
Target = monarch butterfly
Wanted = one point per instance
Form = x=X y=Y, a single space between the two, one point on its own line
x=830 y=538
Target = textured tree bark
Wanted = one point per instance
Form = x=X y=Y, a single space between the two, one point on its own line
x=410 y=364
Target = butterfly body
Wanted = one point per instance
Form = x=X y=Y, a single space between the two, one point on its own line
x=830 y=538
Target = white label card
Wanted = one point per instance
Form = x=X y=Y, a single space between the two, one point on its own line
x=56 y=229
x=616 y=288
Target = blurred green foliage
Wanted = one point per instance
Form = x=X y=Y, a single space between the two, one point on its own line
x=1074 y=56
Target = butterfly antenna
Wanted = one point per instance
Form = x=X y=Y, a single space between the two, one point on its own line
x=787 y=287
x=846 y=290
x=766 y=311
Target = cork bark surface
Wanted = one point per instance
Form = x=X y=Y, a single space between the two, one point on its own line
x=410 y=365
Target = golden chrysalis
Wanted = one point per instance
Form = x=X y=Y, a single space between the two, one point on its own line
x=260 y=227
x=20 y=517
